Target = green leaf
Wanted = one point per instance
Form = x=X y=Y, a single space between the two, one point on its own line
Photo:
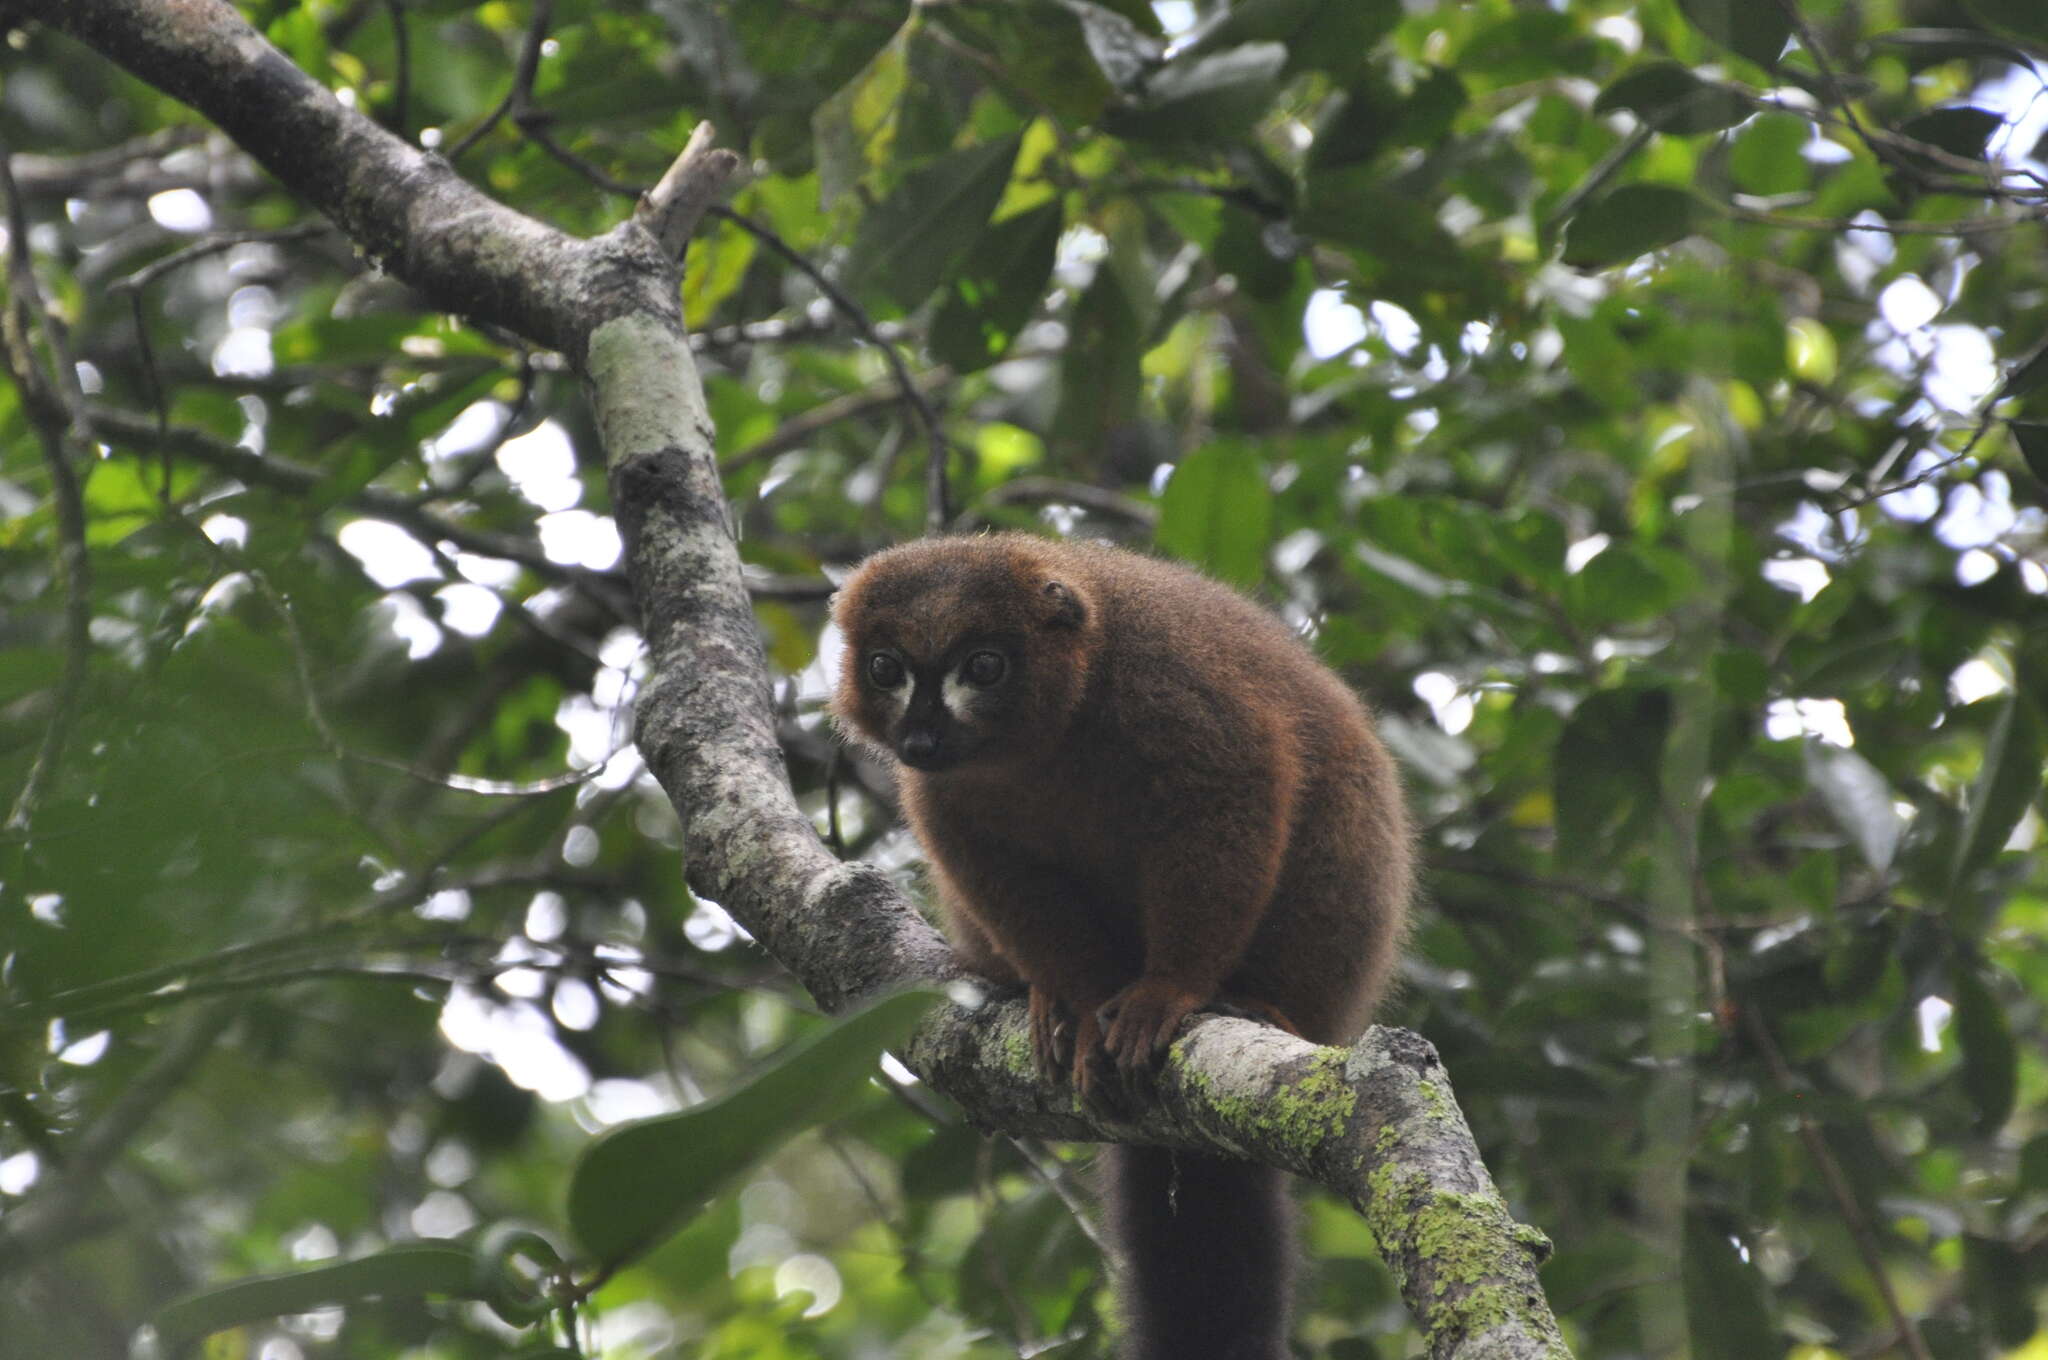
x=1766 y=156
x=1995 y=1276
x=2007 y=783
x=1630 y=221
x=1629 y=583
x=408 y=1270
x=338 y=340
x=1858 y=798
x=1057 y=54
x=1320 y=35
x=2032 y=438
x=1404 y=253
x=1725 y=1305
x=1100 y=378
x=1203 y=100
x=1672 y=99
x=1608 y=770
x=1217 y=512
x=2033 y=1164
x=1958 y=131
x=638 y=1182
x=2029 y=374
x=1355 y=125
x=1530 y=44
x=1990 y=1062
x=847 y=130
x=996 y=289
x=1756 y=29
x=2023 y=17
x=909 y=241
x=1122 y=50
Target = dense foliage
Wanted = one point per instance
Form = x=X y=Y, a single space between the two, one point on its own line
x=1644 y=402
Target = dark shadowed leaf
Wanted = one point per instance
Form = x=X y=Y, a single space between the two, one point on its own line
x=910 y=240
x=996 y=288
x=1203 y=99
x=1217 y=512
x=2033 y=441
x=1099 y=369
x=1058 y=54
x=1958 y=131
x=2006 y=784
x=2024 y=18
x=2033 y=1169
x=1671 y=98
x=1990 y=1062
x=1725 y=1303
x=1996 y=1275
x=638 y=1181
x=1631 y=220
x=1608 y=769
x=1356 y=124
x=1327 y=35
x=1756 y=29
x=1859 y=799
x=2028 y=375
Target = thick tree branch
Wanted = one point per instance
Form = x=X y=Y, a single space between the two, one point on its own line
x=1376 y=1123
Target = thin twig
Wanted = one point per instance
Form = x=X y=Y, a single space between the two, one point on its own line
x=782 y=330
x=1963 y=227
x=520 y=95
x=1811 y=42
x=122 y=428
x=214 y=245
x=1099 y=500
x=937 y=509
x=533 y=123
x=1609 y=165
x=401 y=93
x=1985 y=419
x=798 y=429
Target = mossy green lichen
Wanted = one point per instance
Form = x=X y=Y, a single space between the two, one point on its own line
x=1314 y=1107
x=1536 y=1240
x=1438 y=1106
x=1459 y=1237
x=1016 y=1051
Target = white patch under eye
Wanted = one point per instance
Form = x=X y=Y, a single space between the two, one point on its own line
x=954 y=692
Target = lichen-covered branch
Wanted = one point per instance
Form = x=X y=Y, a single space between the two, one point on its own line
x=1375 y=1123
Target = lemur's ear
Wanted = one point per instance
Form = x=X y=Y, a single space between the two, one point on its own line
x=1067 y=609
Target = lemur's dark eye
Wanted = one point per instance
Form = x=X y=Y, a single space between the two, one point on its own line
x=884 y=671
x=985 y=669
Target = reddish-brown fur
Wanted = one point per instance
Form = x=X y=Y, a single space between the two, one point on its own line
x=1166 y=802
